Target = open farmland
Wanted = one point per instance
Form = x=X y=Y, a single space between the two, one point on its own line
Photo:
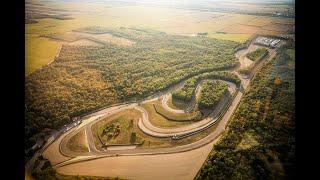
x=172 y=20
x=39 y=52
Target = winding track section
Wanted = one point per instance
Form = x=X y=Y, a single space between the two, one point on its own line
x=193 y=104
x=145 y=125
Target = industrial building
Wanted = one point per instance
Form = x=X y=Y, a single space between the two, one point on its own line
x=269 y=42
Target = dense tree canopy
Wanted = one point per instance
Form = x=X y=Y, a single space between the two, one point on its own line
x=87 y=78
x=188 y=90
x=257 y=54
x=267 y=112
x=211 y=93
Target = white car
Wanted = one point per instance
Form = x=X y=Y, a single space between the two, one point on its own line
x=174 y=136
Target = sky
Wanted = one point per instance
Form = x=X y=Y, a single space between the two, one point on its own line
x=190 y=1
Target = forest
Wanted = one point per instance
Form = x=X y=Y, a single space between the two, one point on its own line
x=187 y=91
x=211 y=93
x=83 y=79
x=260 y=139
x=255 y=56
x=258 y=54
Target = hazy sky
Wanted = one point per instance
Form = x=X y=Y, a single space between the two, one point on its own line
x=259 y=1
x=188 y=1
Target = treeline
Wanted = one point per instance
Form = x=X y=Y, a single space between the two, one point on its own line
x=134 y=34
x=268 y=112
x=187 y=91
x=211 y=93
x=83 y=79
x=255 y=56
x=222 y=75
x=258 y=54
x=246 y=44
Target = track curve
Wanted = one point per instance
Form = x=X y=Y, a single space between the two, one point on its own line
x=147 y=127
x=93 y=118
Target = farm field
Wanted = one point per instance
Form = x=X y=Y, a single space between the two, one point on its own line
x=39 y=52
x=225 y=26
x=238 y=37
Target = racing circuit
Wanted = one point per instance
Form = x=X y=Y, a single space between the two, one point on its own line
x=126 y=161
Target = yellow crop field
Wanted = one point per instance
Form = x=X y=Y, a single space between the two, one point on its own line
x=241 y=38
x=259 y=21
x=39 y=51
x=234 y=27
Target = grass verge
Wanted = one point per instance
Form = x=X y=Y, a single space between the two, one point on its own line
x=124 y=119
x=78 y=143
x=194 y=116
x=159 y=120
x=176 y=104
